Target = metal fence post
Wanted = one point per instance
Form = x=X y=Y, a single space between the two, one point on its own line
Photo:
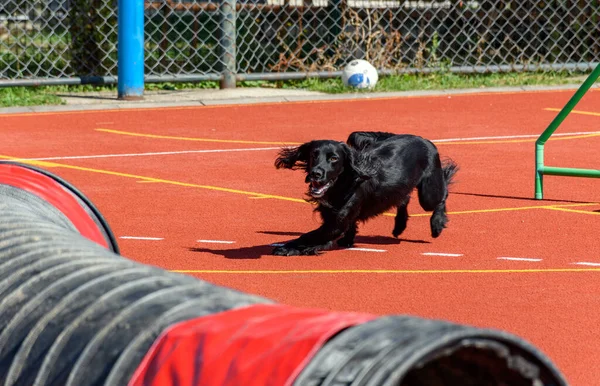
x=227 y=44
x=130 y=83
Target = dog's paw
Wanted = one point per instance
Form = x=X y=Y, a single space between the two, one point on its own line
x=399 y=229
x=437 y=226
x=290 y=250
x=317 y=249
x=286 y=251
x=435 y=233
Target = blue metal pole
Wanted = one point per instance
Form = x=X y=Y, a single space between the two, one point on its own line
x=130 y=83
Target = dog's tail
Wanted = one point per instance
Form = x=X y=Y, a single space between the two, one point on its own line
x=449 y=168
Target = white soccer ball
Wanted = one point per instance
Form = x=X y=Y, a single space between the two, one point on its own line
x=359 y=74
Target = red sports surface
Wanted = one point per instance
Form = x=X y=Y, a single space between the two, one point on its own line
x=194 y=190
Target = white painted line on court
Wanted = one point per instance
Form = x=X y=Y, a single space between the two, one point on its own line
x=149 y=154
x=277 y=148
x=216 y=241
x=366 y=249
x=512 y=136
x=588 y=263
x=519 y=259
x=441 y=254
x=141 y=238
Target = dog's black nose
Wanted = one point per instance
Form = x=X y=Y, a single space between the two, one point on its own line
x=316 y=174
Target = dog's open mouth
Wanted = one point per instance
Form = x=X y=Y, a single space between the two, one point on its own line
x=317 y=190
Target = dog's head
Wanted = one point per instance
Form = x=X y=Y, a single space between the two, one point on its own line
x=324 y=162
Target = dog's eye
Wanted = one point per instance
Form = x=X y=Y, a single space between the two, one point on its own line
x=333 y=158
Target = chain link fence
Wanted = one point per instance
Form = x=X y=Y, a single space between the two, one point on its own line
x=62 y=40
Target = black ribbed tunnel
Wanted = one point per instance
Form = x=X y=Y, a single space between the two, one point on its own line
x=56 y=196
x=73 y=312
x=409 y=351
x=69 y=307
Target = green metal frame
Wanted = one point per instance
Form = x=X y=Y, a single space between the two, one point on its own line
x=540 y=168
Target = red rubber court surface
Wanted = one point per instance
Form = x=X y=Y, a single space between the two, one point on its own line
x=195 y=190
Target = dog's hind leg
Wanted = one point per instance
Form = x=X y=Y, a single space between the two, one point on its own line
x=401 y=219
x=438 y=220
x=347 y=240
x=432 y=197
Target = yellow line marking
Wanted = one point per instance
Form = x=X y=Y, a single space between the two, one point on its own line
x=575 y=137
x=574 y=211
x=504 y=209
x=256 y=194
x=258 y=198
x=119 y=132
x=152 y=179
x=575 y=112
x=147 y=182
x=157 y=136
x=516 y=140
x=389 y=271
x=42 y=164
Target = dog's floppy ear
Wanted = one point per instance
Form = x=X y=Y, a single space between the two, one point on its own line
x=293 y=157
x=360 y=165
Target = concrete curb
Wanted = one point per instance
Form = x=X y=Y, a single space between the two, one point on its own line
x=266 y=96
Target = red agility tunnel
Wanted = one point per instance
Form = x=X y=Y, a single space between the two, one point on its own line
x=73 y=312
x=57 y=194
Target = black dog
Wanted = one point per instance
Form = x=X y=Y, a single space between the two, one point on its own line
x=372 y=173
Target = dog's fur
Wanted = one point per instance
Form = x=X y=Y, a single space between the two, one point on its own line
x=361 y=179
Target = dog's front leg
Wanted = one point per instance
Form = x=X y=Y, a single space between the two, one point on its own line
x=310 y=243
x=348 y=240
x=335 y=223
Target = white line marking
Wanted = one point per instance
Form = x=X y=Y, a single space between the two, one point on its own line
x=366 y=250
x=141 y=238
x=512 y=136
x=277 y=148
x=588 y=263
x=216 y=241
x=148 y=154
x=441 y=254
x=518 y=259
